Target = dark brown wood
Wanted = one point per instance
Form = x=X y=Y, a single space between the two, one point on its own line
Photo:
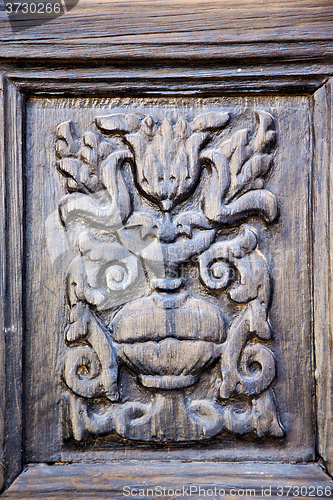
x=33 y=345
x=37 y=352
x=120 y=480
x=163 y=333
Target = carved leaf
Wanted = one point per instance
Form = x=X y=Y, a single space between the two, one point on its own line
x=258 y=202
x=78 y=288
x=210 y=121
x=91 y=166
x=186 y=222
x=149 y=224
x=79 y=160
x=83 y=421
x=113 y=180
x=252 y=288
x=237 y=357
x=118 y=266
x=250 y=160
x=79 y=319
x=108 y=209
x=69 y=167
x=167 y=166
x=258 y=415
x=118 y=122
x=66 y=144
x=215 y=188
x=238 y=166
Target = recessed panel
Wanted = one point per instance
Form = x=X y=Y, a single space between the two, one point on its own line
x=167 y=279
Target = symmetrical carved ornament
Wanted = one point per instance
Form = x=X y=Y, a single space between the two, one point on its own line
x=153 y=352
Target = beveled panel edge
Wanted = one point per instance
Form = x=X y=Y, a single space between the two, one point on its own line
x=2 y=276
x=116 y=480
x=322 y=233
x=11 y=351
x=169 y=78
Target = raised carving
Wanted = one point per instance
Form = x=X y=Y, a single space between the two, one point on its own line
x=146 y=345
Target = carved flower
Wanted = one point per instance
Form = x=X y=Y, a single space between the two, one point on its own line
x=167 y=160
x=167 y=156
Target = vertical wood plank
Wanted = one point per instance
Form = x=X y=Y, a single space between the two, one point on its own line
x=14 y=272
x=2 y=278
x=322 y=205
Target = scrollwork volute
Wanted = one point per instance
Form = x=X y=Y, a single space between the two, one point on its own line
x=147 y=198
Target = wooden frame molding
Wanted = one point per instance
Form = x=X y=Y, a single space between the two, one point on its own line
x=200 y=75
x=118 y=480
x=3 y=280
x=12 y=347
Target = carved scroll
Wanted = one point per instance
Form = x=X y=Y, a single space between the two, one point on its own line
x=145 y=198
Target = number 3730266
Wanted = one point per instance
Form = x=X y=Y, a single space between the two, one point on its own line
x=33 y=8
x=304 y=491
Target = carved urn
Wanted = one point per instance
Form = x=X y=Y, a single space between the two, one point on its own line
x=168 y=339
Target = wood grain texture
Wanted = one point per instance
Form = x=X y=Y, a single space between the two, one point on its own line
x=170 y=29
x=322 y=267
x=2 y=277
x=14 y=279
x=180 y=85
x=106 y=481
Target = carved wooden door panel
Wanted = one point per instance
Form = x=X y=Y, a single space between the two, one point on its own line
x=166 y=274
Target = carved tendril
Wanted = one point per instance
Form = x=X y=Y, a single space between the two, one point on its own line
x=91 y=370
x=252 y=289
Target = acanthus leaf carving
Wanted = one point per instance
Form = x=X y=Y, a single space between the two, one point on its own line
x=135 y=326
x=94 y=169
x=236 y=167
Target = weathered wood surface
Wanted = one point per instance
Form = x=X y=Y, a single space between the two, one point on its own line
x=172 y=29
x=322 y=267
x=195 y=79
x=2 y=279
x=107 y=481
x=14 y=105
